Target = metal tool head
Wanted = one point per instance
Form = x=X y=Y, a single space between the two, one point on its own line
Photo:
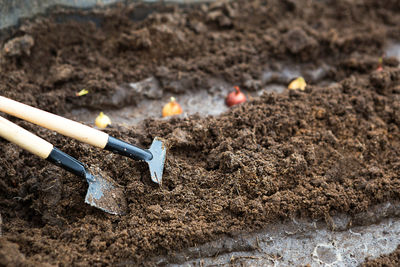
x=156 y=164
x=104 y=193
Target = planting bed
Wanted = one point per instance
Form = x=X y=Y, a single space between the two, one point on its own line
x=328 y=152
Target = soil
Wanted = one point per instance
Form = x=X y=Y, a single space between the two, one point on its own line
x=391 y=259
x=315 y=153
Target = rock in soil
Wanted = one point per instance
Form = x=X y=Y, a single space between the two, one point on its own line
x=19 y=46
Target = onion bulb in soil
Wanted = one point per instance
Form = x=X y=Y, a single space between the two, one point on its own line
x=102 y=121
x=172 y=108
x=235 y=98
x=298 y=84
x=380 y=64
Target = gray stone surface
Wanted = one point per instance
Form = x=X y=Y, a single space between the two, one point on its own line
x=302 y=242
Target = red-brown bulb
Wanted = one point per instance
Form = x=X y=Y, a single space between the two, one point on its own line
x=235 y=98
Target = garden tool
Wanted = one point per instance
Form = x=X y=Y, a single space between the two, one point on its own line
x=154 y=156
x=103 y=193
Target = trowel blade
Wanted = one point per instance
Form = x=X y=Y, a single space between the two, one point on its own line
x=156 y=164
x=105 y=194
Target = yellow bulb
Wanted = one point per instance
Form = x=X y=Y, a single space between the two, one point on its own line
x=298 y=84
x=172 y=108
x=82 y=92
x=102 y=121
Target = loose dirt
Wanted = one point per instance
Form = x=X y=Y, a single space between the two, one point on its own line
x=331 y=149
x=386 y=260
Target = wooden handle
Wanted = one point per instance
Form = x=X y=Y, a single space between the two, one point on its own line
x=24 y=139
x=54 y=122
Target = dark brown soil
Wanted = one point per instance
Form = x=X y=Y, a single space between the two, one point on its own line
x=389 y=260
x=314 y=153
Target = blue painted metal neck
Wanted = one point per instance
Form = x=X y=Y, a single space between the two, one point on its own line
x=120 y=147
x=67 y=162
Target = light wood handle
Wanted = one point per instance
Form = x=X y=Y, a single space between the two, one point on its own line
x=24 y=139
x=54 y=122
